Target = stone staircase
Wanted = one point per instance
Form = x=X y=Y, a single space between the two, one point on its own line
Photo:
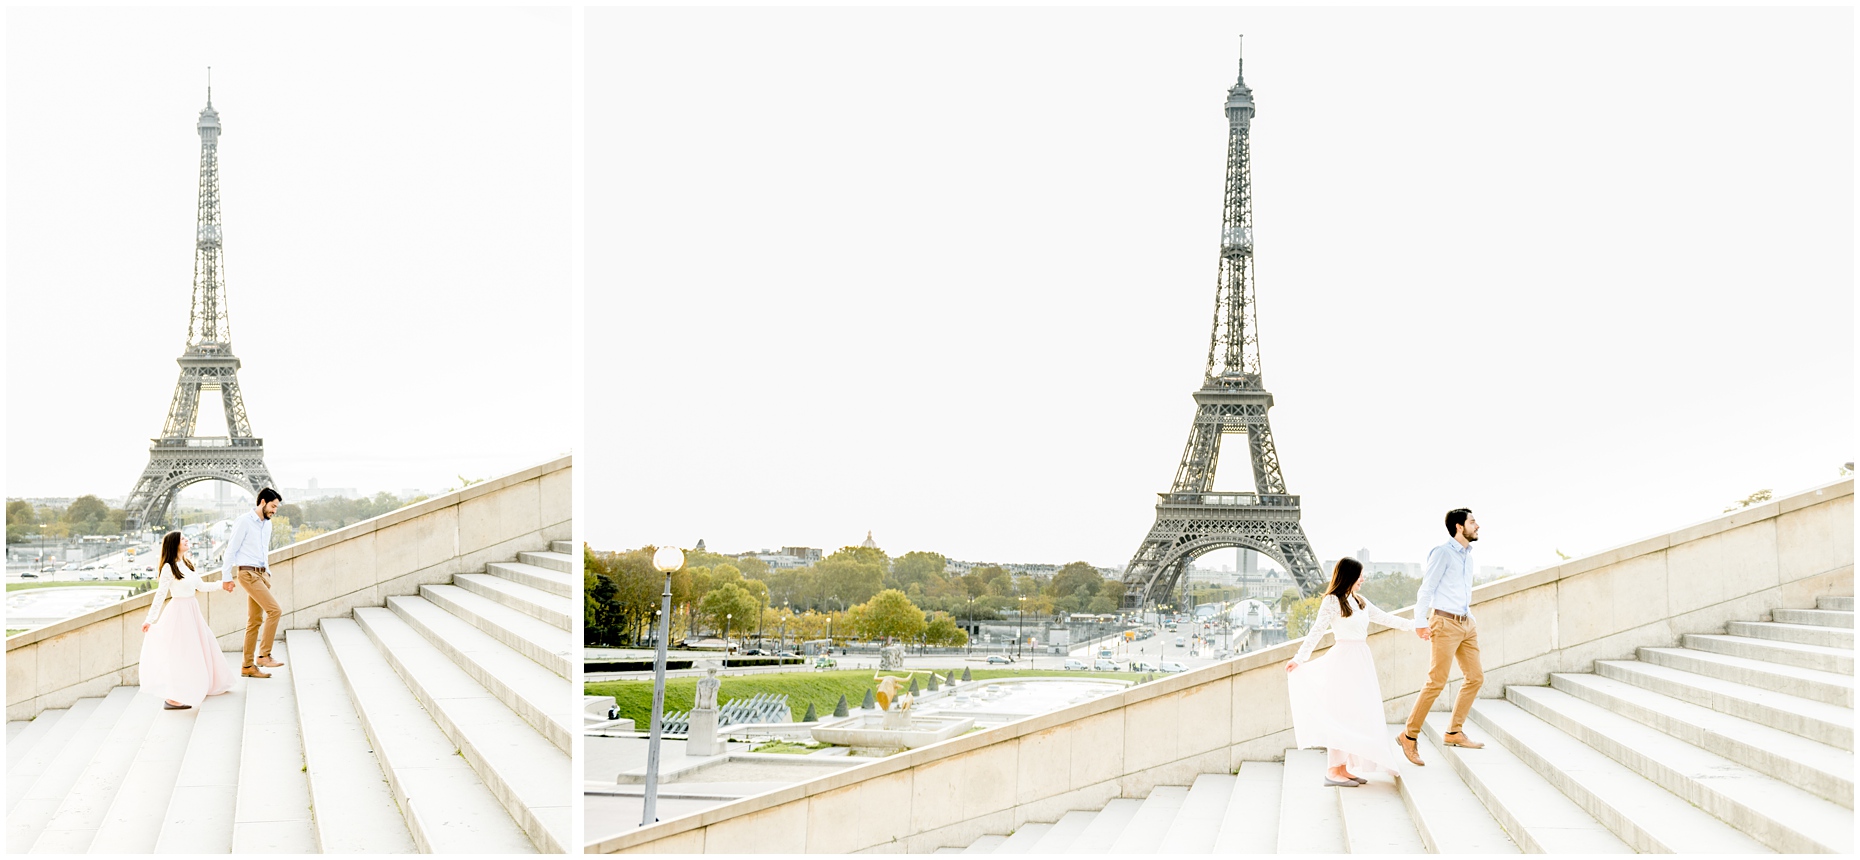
x=1733 y=743
x=438 y=723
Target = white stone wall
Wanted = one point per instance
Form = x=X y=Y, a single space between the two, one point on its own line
x=1736 y=567
x=324 y=577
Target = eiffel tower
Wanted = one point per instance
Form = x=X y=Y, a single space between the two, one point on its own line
x=1193 y=518
x=179 y=457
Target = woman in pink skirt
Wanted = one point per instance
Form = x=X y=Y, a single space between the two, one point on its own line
x=1337 y=701
x=181 y=661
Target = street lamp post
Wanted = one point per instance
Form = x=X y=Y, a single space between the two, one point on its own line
x=726 y=636
x=1020 y=626
x=668 y=560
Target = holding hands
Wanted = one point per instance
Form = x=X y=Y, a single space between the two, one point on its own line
x=229 y=586
x=1424 y=633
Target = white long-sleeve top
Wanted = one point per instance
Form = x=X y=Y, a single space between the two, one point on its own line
x=1352 y=629
x=181 y=588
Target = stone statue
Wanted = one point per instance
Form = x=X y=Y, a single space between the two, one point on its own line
x=891 y=657
x=707 y=687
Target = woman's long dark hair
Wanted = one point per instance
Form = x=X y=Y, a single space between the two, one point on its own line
x=171 y=552
x=1343 y=577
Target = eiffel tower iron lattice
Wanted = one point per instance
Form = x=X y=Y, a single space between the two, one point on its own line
x=179 y=457
x=1194 y=518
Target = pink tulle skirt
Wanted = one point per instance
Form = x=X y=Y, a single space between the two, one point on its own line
x=1337 y=704
x=180 y=658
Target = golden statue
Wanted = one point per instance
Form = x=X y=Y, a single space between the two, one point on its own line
x=888 y=692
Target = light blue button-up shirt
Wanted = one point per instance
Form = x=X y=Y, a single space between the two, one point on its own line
x=1447 y=583
x=250 y=541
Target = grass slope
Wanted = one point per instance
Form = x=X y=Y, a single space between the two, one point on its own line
x=823 y=689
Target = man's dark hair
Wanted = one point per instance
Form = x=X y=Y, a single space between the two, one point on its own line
x=1455 y=518
x=270 y=495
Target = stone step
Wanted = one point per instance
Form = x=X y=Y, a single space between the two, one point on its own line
x=552 y=581
x=1145 y=832
x=1837 y=660
x=1827 y=637
x=1825 y=770
x=1538 y=818
x=984 y=845
x=1816 y=617
x=32 y=761
x=562 y=562
x=1754 y=806
x=1105 y=827
x=1374 y=819
x=1065 y=831
x=84 y=808
x=565 y=547
x=355 y=809
x=1198 y=822
x=1843 y=604
x=1023 y=839
x=34 y=810
x=1310 y=819
x=523 y=769
x=1250 y=825
x=133 y=821
x=534 y=602
x=446 y=806
x=14 y=727
x=537 y=640
x=199 y=814
x=20 y=743
x=523 y=685
x=1642 y=813
x=272 y=813
x=1447 y=815
x=1794 y=680
x=1817 y=721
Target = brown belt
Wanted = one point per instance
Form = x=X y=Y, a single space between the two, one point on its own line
x=263 y=570
x=1460 y=618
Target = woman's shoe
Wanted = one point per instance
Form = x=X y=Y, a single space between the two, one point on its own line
x=1348 y=783
x=1360 y=780
x=170 y=706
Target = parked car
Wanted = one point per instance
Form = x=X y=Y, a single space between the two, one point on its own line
x=88 y=577
x=998 y=659
x=70 y=566
x=785 y=654
x=1181 y=642
x=1075 y=666
x=1105 y=654
x=1168 y=666
x=28 y=575
x=755 y=652
x=1142 y=666
x=1103 y=665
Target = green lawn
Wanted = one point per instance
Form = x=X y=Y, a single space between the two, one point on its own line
x=823 y=689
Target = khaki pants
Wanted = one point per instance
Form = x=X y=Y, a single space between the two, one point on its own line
x=1452 y=640
x=259 y=605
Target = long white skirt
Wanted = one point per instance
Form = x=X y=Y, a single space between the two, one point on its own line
x=181 y=660
x=1337 y=704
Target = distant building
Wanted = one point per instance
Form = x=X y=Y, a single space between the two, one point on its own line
x=869 y=543
x=314 y=492
x=807 y=554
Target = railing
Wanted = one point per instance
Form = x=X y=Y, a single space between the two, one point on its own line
x=211 y=442
x=1276 y=500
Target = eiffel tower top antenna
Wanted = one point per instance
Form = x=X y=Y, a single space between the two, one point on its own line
x=209 y=86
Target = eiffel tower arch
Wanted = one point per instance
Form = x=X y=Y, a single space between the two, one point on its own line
x=178 y=457
x=1194 y=518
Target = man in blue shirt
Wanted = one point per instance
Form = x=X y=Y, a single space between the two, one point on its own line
x=1445 y=602
x=246 y=554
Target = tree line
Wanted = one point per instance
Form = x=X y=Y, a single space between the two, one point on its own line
x=857 y=592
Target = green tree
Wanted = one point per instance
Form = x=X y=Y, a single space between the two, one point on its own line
x=86 y=509
x=1103 y=604
x=890 y=614
x=732 y=600
x=849 y=580
x=1756 y=498
x=282 y=533
x=862 y=555
x=1074 y=578
x=1298 y=619
x=942 y=631
x=1391 y=591
x=1287 y=598
x=918 y=568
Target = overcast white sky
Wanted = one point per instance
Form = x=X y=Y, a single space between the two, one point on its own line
x=396 y=193
x=947 y=275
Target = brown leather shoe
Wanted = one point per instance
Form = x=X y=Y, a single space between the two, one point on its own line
x=1459 y=739
x=267 y=662
x=1410 y=749
x=254 y=672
